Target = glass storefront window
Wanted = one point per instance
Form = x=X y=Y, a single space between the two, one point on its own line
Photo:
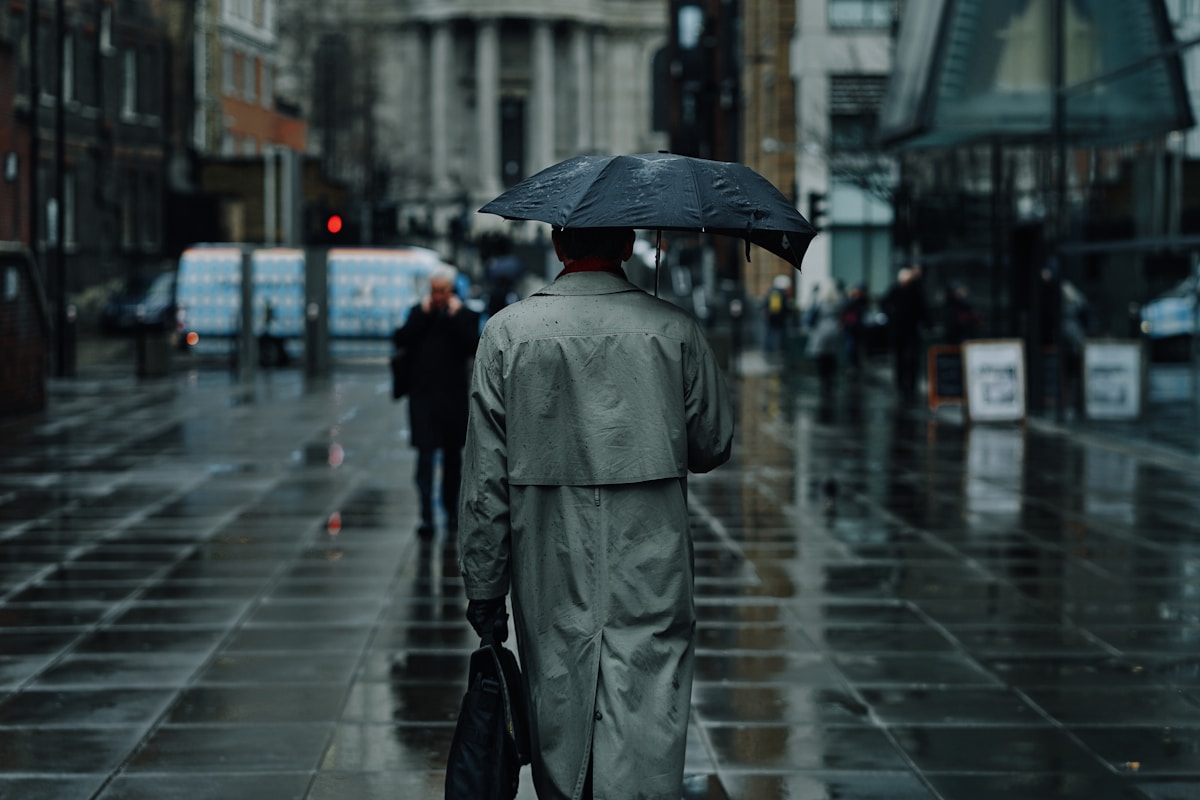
x=971 y=70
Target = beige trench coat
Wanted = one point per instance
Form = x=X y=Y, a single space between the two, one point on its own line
x=590 y=401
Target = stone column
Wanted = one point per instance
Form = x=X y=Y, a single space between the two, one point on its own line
x=581 y=67
x=487 y=105
x=441 y=51
x=542 y=150
x=602 y=139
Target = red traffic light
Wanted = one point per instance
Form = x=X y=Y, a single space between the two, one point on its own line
x=334 y=223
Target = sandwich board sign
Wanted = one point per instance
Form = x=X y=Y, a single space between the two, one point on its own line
x=1113 y=379
x=994 y=379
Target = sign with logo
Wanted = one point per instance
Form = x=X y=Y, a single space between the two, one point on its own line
x=994 y=371
x=1112 y=379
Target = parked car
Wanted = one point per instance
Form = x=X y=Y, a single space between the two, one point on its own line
x=1168 y=322
x=143 y=302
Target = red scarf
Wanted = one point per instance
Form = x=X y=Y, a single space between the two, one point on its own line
x=609 y=265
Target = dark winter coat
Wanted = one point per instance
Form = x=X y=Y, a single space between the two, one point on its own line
x=441 y=347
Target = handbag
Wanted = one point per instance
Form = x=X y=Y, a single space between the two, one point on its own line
x=491 y=739
x=401 y=373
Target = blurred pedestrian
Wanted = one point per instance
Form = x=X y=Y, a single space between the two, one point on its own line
x=503 y=272
x=960 y=320
x=590 y=402
x=778 y=306
x=1066 y=318
x=854 y=321
x=440 y=335
x=272 y=348
x=907 y=315
x=825 y=336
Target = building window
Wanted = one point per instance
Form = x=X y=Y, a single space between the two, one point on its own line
x=268 y=88
x=860 y=13
x=854 y=103
x=106 y=29
x=17 y=29
x=47 y=68
x=68 y=67
x=691 y=26
x=229 y=64
x=70 y=235
x=150 y=86
x=852 y=133
x=87 y=77
x=129 y=93
x=250 y=78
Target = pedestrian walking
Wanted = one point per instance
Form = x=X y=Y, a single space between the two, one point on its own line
x=907 y=316
x=590 y=402
x=960 y=320
x=854 y=326
x=825 y=336
x=440 y=336
x=1066 y=317
x=777 y=308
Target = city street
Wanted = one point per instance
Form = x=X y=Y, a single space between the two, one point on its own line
x=213 y=588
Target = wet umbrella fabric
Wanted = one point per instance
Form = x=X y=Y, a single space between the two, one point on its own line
x=661 y=191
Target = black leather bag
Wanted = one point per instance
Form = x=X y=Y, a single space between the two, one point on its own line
x=491 y=740
x=401 y=373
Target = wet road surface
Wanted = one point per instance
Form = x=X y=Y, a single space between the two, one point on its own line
x=213 y=589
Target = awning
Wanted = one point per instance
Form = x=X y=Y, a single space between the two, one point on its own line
x=976 y=70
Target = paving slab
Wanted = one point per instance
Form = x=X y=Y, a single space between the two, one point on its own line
x=211 y=587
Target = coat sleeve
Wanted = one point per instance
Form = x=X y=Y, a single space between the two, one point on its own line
x=709 y=414
x=484 y=538
x=413 y=329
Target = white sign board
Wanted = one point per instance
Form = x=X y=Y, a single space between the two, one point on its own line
x=994 y=372
x=1112 y=379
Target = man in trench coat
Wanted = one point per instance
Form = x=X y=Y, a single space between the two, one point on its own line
x=590 y=402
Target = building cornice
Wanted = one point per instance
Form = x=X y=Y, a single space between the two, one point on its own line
x=599 y=13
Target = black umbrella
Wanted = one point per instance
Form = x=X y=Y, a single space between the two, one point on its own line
x=661 y=191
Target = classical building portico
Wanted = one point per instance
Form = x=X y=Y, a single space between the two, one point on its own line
x=475 y=96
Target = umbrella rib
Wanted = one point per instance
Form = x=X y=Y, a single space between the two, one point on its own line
x=700 y=210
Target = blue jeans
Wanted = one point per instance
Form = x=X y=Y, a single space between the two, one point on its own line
x=451 y=480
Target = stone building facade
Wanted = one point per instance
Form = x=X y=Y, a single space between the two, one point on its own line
x=432 y=107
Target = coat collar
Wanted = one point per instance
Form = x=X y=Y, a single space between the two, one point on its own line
x=582 y=283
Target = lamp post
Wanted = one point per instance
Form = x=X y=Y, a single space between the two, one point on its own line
x=62 y=340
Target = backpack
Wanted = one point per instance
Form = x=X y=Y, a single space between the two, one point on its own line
x=775 y=302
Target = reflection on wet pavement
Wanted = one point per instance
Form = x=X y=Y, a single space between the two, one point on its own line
x=217 y=585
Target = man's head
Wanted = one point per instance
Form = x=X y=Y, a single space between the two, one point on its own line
x=573 y=244
x=441 y=285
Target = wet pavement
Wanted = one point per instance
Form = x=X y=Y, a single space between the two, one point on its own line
x=213 y=589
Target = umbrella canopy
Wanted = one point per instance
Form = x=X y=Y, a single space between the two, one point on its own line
x=661 y=191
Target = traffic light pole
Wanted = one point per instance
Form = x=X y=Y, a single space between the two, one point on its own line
x=63 y=343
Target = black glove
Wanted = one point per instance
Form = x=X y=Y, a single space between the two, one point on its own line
x=489 y=619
